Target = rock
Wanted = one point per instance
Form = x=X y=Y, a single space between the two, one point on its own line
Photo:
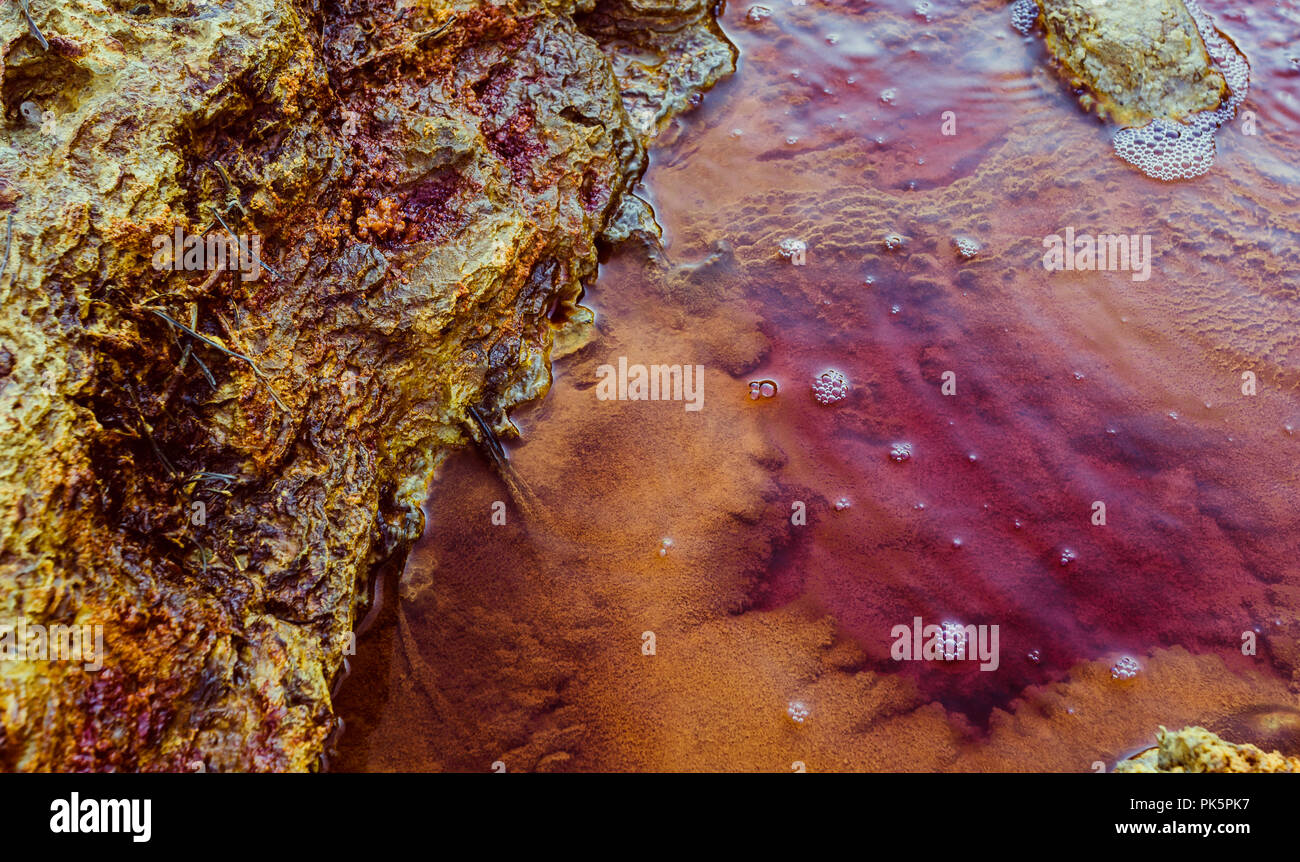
x=1138 y=60
x=1195 y=749
x=423 y=188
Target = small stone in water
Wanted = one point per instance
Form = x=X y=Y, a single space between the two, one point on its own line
x=830 y=387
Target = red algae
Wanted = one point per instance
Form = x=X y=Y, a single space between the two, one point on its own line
x=1102 y=466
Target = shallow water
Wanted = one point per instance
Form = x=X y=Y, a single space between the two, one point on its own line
x=523 y=643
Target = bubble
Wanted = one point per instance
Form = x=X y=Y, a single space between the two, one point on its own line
x=798 y=711
x=954 y=641
x=895 y=309
x=1125 y=669
x=31 y=113
x=664 y=546
x=757 y=14
x=792 y=249
x=900 y=452
x=972 y=457
x=762 y=389
x=922 y=10
x=792 y=140
x=830 y=387
x=1023 y=15
x=1035 y=656
x=957 y=542
x=966 y=247
x=888 y=96
x=1018 y=524
x=842 y=503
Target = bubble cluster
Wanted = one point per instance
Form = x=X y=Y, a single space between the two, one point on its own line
x=1035 y=656
x=830 y=387
x=1067 y=556
x=900 y=452
x=1169 y=150
x=889 y=96
x=1023 y=15
x=1124 y=669
x=798 y=711
x=966 y=247
x=762 y=389
x=792 y=249
x=954 y=641
x=664 y=546
x=757 y=14
x=894 y=241
x=842 y=503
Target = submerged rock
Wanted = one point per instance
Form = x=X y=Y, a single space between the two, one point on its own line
x=211 y=465
x=1195 y=749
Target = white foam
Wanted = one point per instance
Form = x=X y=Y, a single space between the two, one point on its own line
x=1023 y=15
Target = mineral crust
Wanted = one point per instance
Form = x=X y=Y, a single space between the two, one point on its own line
x=1195 y=749
x=1135 y=60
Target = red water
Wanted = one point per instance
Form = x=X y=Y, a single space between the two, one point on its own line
x=1071 y=388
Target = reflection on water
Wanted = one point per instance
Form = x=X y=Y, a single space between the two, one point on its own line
x=764 y=549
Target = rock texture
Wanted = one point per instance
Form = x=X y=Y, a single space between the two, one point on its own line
x=212 y=466
x=1195 y=749
x=1136 y=61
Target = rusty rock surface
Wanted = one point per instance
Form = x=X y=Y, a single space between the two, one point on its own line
x=209 y=465
x=1136 y=60
x=1195 y=749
